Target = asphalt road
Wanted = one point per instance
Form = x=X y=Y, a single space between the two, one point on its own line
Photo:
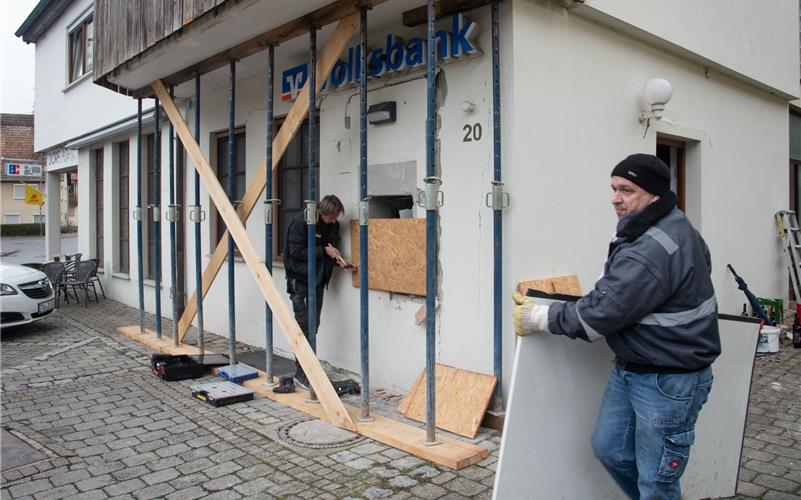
x=21 y=249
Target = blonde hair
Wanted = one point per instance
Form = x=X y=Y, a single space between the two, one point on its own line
x=330 y=205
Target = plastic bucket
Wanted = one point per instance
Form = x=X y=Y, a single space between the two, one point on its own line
x=768 y=339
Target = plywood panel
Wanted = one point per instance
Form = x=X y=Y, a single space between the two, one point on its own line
x=567 y=285
x=462 y=398
x=397 y=255
x=556 y=390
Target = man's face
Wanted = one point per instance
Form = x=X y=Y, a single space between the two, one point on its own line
x=329 y=219
x=629 y=198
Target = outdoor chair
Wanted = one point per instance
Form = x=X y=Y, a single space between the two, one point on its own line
x=55 y=273
x=95 y=279
x=81 y=278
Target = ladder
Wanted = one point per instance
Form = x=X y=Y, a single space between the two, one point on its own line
x=791 y=234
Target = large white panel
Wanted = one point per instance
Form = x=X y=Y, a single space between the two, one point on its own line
x=556 y=390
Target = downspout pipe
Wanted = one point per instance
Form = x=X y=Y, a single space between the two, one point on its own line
x=138 y=216
x=198 y=218
x=311 y=203
x=432 y=183
x=268 y=215
x=363 y=221
x=157 y=214
x=231 y=197
x=172 y=213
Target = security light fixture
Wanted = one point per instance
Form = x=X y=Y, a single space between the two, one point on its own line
x=383 y=112
x=657 y=92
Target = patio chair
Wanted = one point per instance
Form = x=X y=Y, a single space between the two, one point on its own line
x=55 y=273
x=81 y=279
x=95 y=279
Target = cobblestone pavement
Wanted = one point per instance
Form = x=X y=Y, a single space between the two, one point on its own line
x=84 y=395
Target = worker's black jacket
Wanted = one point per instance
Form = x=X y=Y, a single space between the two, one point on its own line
x=295 y=248
x=655 y=304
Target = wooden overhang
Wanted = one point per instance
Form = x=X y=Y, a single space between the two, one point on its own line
x=126 y=40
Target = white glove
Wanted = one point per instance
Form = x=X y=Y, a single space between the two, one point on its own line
x=529 y=317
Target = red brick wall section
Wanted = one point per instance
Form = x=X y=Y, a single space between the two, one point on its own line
x=16 y=137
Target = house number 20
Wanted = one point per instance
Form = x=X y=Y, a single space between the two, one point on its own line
x=472 y=132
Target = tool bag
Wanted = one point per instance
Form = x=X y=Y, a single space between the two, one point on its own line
x=348 y=386
x=175 y=367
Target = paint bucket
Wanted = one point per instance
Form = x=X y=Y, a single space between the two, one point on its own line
x=768 y=339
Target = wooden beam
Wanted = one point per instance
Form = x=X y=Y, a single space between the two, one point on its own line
x=328 y=57
x=449 y=452
x=334 y=409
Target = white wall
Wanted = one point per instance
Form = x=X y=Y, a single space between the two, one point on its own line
x=734 y=34
x=65 y=111
x=571 y=93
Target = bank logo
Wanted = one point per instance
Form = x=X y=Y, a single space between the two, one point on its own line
x=394 y=56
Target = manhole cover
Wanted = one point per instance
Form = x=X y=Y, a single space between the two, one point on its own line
x=315 y=433
x=16 y=452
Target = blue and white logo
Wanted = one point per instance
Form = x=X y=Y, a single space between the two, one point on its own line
x=394 y=57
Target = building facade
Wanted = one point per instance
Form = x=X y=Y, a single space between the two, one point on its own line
x=21 y=167
x=571 y=82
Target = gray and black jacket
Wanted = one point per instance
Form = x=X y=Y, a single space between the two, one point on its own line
x=655 y=304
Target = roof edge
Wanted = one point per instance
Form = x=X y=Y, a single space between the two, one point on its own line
x=40 y=19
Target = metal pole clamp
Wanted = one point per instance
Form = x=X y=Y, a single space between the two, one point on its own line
x=364 y=211
x=268 y=209
x=431 y=197
x=156 y=212
x=497 y=199
x=173 y=213
x=310 y=212
x=196 y=214
x=137 y=213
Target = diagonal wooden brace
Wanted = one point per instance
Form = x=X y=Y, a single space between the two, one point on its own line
x=328 y=57
x=334 y=409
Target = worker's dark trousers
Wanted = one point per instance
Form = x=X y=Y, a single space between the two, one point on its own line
x=299 y=294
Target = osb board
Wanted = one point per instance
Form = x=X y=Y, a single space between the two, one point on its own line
x=462 y=398
x=449 y=452
x=566 y=285
x=397 y=255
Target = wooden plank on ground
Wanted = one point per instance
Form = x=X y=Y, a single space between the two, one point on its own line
x=567 y=285
x=462 y=399
x=397 y=255
x=335 y=411
x=330 y=53
x=450 y=452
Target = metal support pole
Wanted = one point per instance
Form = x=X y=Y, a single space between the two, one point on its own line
x=431 y=228
x=268 y=215
x=363 y=221
x=311 y=225
x=138 y=215
x=232 y=198
x=172 y=214
x=197 y=219
x=497 y=216
x=157 y=214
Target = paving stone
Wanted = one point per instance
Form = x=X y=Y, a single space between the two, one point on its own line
x=402 y=482
x=160 y=476
x=154 y=491
x=188 y=494
x=125 y=487
x=428 y=491
x=55 y=493
x=464 y=486
x=373 y=493
x=221 y=483
x=254 y=486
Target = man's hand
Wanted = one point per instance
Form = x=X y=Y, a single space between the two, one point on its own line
x=332 y=252
x=529 y=317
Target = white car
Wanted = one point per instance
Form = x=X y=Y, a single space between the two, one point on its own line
x=26 y=295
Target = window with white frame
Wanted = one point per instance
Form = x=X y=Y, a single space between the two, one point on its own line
x=11 y=219
x=81 y=48
x=19 y=191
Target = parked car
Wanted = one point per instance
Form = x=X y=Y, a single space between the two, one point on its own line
x=26 y=295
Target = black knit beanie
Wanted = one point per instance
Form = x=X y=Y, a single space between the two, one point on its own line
x=647 y=171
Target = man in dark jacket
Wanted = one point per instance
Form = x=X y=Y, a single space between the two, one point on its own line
x=326 y=255
x=656 y=308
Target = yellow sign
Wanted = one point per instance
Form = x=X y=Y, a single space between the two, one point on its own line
x=33 y=196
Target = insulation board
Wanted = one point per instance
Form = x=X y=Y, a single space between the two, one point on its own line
x=556 y=389
x=462 y=398
x=397 y=253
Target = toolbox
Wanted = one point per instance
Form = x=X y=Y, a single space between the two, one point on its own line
x=210 y=360
x=221 y=393
x=238 y=372
x=175 y=367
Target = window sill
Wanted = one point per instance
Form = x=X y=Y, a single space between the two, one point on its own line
x=151 y=284
x=121 y=276
x=76 y=82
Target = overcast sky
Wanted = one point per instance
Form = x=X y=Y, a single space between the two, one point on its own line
x=16 y=59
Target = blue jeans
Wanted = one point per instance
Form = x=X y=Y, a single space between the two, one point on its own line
x=645 y=429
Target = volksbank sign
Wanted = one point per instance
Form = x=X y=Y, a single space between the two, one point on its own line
x=394 y=57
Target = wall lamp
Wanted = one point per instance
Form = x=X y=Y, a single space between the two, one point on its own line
x=383 y=112
x=657 y=92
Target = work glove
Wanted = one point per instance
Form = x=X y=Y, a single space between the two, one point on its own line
x=529 y=316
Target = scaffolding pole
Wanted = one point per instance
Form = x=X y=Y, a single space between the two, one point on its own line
x=497 y=213
x=232 y=197
x=311 y=203
x=172 y=217
x=364 y=217
x=197 y=219
x=268 y=215
x=138 y=216
x=156 y=212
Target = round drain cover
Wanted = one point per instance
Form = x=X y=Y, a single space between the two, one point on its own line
x=315 y=433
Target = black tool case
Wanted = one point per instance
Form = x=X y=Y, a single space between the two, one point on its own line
x=175 y=367
x=221 y=393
